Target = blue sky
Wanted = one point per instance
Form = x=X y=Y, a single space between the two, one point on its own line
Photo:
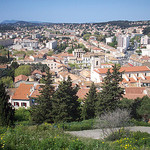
x=74 y=11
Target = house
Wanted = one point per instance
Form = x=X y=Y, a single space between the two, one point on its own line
x=85 y=74
x=134 y=92
x=21 y=97
x=20 y=79
x=82 y=93
x=52 y=63
x=25 y=95
x=37 y=74
x=131 y=75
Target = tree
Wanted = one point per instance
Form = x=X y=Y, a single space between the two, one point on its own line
x=24 y=70
x=43 y=110
x=144 y=109
x=8 y=81
x=89 y=108
x=65 y=104
x=6 y=110
x=109 y=97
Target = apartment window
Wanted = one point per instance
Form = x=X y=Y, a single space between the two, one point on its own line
x=137 y=74
x=129 y=75
x=145 y=74
x=23 y=104
x=51 y=67
x=96 y=63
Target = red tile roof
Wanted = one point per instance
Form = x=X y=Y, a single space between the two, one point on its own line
x=126 y=69
x=23 y=91
x=82 y=92
x=21 y=77
x=36 y=92
x=134 y=92
x=38 y=72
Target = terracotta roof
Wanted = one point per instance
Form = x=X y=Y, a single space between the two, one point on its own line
x=133 y=96
x=21 y=77
x=38 y=72
x=36 y=92
x=134 y=92
x=82 y=92
x=50 y=58
x=126 y=69
x=23 y=91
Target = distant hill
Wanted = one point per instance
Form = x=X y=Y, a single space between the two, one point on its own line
x=16 y=21
x=9 y=21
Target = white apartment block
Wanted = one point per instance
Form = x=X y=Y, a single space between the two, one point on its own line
x=123 y=42
x=145 y=40
x=109 y=40
x=51 y=44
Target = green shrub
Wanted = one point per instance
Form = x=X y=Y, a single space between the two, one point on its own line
x=121 y=133
x=77 y=126
x=22 y=114
x=130 y=140
x=139 y=123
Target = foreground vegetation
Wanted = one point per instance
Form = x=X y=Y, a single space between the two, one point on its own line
x=49 y=137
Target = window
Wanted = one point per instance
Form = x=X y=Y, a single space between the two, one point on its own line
x=145 y=74
x=23 y=104
x=16 y=104
x=96 y=63
x=137 y=74
x=129 y=75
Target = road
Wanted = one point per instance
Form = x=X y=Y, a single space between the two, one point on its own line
x=98 y=134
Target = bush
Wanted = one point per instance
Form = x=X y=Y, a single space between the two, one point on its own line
x=130 y=140
x=139 y=123
x=121 y=133
x=22 y=114
x=78 y=126
x=110 y=122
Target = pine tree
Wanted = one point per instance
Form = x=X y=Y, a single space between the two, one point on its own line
x=42 y=112
x=65 y=104
x=89 y=108
x=6 y=110
x=109 y=97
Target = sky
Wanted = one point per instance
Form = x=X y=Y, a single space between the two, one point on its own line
x=74 y=11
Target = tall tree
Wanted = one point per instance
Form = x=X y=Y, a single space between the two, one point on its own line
x=6 y=110
x=89 y=107
x=144 y=109
x=65 y=104
x=109 y=97
x=43 y=110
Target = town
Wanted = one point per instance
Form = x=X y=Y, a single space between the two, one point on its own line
x=82 y=51
x=58 y=77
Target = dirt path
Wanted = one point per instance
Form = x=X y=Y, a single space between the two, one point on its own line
x=97 y=133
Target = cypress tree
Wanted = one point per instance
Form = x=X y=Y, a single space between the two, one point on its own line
x=43 y=110
x=65 y=104
x=6 y=110
x=109 y=97
x=89 y=107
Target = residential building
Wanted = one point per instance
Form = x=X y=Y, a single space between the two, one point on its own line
x=131 y=75
x=51 y=44
x=123 y=42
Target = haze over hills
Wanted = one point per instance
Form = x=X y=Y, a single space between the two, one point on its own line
x=15 y=21
x=111 y=22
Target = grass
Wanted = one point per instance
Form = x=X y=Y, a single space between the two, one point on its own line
x=77 y=126
x=48 y=137
x=139 y=123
